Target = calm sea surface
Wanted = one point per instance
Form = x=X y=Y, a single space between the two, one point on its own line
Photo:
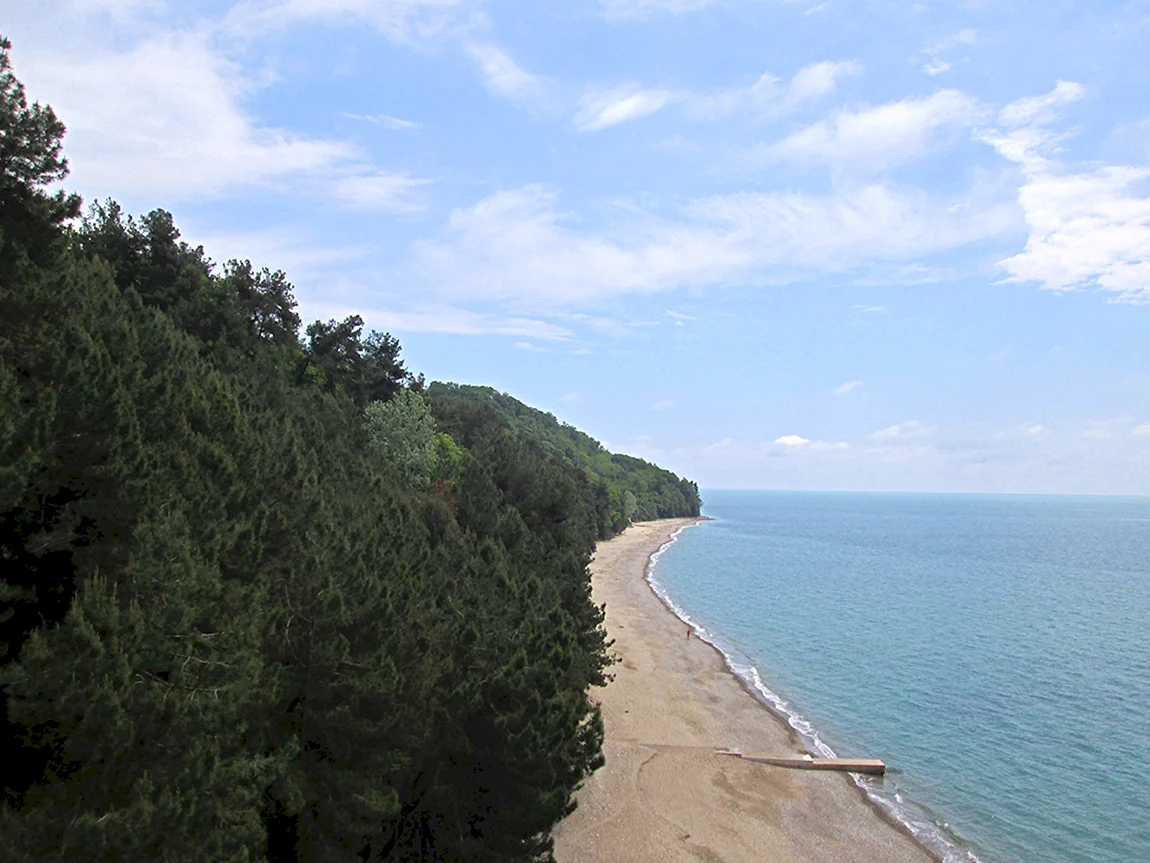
x=993 y=650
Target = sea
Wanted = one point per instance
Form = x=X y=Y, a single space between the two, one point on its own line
x=993 y=650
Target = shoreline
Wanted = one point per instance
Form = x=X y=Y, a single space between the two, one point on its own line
x=664 y=794
x=780 y=716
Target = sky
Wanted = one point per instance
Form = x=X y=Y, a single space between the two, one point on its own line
x=795 y=244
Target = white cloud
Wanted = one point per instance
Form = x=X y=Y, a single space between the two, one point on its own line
x=845 y=388
x=598 y=110
x=909 y=430
x=456 y=321
x=1089 y=228
x=1142 y=430
x=936 y=65
x=768 y=98
x=397 y=19
x=792 y=440
x=380 y=192
x=518 y=246
x=395 y=124
x=663 y=405
x=506 y=78
x=874 y=139
x=1034 y=110
x=573 y=397
x=868 y=310
x=798 y=443
x=818 y=80
x=680 y=317
x=165 y=120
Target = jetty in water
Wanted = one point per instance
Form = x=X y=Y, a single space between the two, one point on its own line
x=808 y=762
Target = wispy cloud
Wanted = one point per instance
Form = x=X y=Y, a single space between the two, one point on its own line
x=599 y=110
x=870 y=140
x=818 y=80
x=1038 y=110
x=663 y=405
x=573 y=397
x=379 y=192
x=849 y=386
x=909 y=430
x=623 y=9
x=528 y=346
x=936 y=65
x=395 y=124
x=397 y=19
x=767 y=96
x=507 y=79
x=296 y=250
x=519 y=246
x=456 y=321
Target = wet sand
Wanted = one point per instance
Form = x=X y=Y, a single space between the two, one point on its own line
x=664 y=794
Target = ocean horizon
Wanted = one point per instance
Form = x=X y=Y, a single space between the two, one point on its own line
x=993 y=650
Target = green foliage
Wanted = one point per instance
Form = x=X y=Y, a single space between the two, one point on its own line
x=237 y=622
x=623 y=488
x=31 y=157
x=402 y=433
x=366 y=369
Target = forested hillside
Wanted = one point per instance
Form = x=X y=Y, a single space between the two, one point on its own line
x=258 y=600
x=624 y=488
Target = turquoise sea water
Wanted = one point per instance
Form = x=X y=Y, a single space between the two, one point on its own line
x=993 y=650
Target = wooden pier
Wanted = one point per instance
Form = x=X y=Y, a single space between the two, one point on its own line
x=808 y=762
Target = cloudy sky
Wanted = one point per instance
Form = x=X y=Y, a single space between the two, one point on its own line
x=826 y=244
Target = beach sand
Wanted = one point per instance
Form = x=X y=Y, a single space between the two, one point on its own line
x=664 y=794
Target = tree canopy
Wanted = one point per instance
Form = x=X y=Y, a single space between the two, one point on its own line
x=624 y=488
x=261 y=598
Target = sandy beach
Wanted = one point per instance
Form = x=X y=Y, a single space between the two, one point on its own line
x=664 y=794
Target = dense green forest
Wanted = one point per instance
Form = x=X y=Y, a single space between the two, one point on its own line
x=625 y=488
x=262 y=596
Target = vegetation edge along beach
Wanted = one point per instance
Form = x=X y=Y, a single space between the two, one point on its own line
x=267 y=595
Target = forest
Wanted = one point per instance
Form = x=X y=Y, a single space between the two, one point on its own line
x=264 y=595
x=624 y=488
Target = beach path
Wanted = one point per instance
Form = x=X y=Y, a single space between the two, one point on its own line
x=664 y=794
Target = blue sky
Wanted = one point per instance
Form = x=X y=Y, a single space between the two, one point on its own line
x=850 y=244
